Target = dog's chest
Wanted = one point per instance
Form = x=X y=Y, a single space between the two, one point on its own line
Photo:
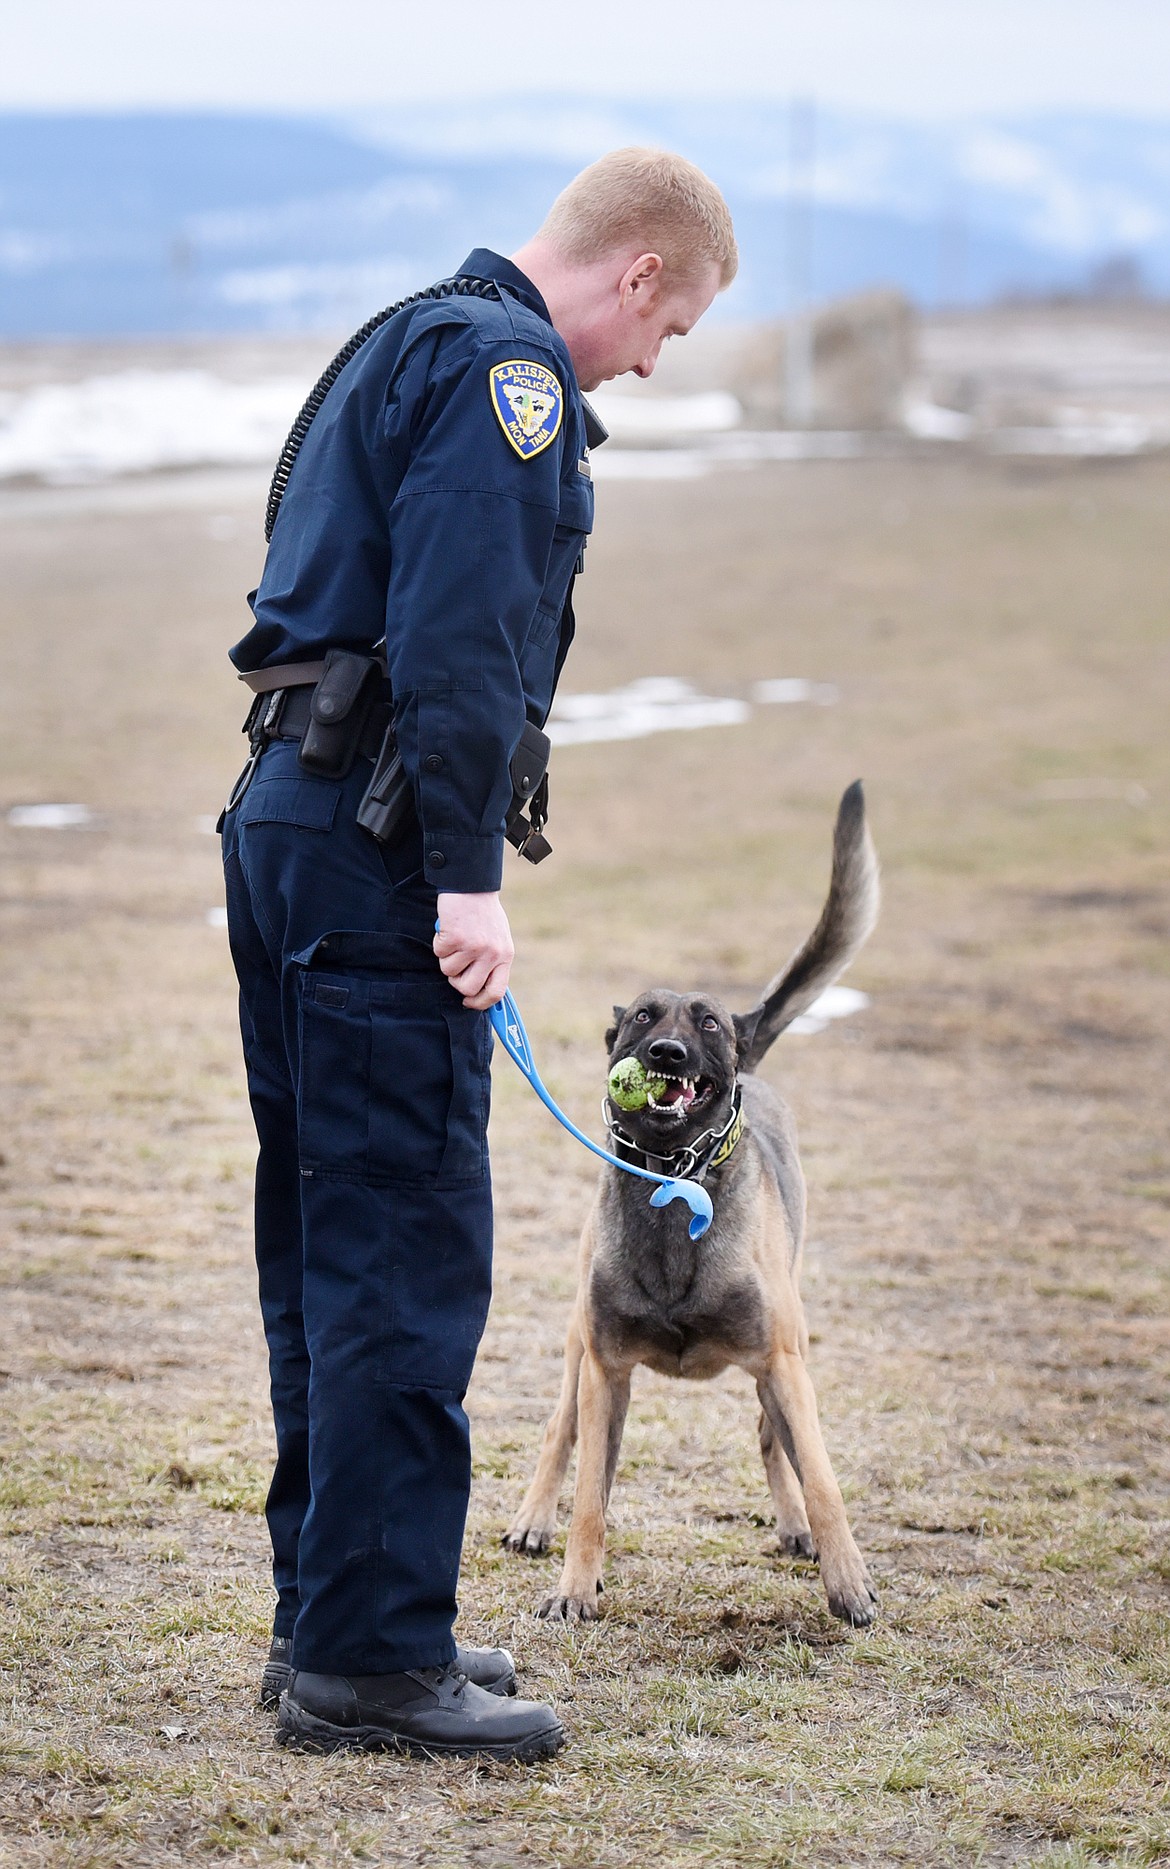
x=696 y=1331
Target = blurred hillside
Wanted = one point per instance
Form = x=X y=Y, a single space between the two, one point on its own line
x=183 y=223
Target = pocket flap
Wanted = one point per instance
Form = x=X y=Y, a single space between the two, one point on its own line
x=308 y=803
x=346 y=676
x=345 y=948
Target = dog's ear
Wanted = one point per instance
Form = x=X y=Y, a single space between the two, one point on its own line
x=619 y=1013
x=745 y=1024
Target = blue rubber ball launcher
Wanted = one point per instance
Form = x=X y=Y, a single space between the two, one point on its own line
x=509 y=1029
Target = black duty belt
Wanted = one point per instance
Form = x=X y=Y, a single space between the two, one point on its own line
x=291 y=719
x=339 y=711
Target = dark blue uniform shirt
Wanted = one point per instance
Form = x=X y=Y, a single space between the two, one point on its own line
x=410 y=514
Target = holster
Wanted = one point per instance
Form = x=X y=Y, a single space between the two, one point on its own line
x=387 y=805
x=338 y=707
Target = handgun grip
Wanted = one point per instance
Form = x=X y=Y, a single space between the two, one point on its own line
x=388 y=800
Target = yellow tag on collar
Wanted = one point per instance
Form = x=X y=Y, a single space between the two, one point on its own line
x=529 y=403
x=728 y=1143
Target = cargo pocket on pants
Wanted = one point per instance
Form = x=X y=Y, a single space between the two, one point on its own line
x=393 y=1080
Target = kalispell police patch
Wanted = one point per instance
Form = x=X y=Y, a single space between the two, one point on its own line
x=529 y=402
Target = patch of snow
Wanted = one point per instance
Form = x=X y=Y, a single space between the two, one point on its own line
x=49 y=817
x=836 y=1002
x=640 y=417
x=789 y=689
x=650 y=464
x=138 y=420
x=929 y=421
x=665 y=704
x=656 y=704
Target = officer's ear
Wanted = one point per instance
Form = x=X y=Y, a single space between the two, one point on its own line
x=619 y=1013
x=642 y=279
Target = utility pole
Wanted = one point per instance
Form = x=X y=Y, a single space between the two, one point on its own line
x=798 y=352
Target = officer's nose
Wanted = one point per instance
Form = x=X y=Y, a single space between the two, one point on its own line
x=666 y=1052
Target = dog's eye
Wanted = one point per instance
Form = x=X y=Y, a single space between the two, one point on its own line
x=709 y=1023
x=642 y=1017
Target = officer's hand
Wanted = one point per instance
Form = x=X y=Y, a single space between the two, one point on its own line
x=474 y=946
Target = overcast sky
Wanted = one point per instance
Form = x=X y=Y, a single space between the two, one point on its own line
x=922 y=58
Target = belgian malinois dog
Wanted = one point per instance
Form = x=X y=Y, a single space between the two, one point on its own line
x=648 y=1293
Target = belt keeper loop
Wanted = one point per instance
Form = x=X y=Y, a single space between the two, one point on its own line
x=273 y=713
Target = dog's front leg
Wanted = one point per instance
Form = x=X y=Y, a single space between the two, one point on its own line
x=787 y=1396
x=792 y=1525
x=603 y=1396
x=533 y=1526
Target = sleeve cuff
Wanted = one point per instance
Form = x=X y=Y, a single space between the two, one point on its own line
x=463 y=865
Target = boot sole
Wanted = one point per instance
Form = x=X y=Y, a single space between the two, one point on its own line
x=302 y=1731
x=276 y=1678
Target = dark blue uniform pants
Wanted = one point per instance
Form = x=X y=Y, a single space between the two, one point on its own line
x=369 y=1083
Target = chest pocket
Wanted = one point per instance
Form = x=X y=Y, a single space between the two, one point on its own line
x=574 y=524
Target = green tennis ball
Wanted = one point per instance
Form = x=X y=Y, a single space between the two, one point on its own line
x=629 y=1086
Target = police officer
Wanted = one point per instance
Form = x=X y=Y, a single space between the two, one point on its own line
x=438 y=502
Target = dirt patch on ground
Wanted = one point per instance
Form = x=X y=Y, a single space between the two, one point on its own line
x=989 y=1175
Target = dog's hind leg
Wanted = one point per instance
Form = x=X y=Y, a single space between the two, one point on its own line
x=604 y=1396
x=789 y=1401
x=792 y=1525
x=533 y=1526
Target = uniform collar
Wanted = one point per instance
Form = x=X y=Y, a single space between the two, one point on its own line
x=482 y=263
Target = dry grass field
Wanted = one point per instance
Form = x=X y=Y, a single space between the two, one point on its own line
x=986 y=1146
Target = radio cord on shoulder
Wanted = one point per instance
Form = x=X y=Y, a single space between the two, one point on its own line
x=462 y=286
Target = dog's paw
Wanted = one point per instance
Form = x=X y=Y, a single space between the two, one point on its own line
x=566 y=1608
x=854 y=1600
x=532 y=1540
x=797 y=1545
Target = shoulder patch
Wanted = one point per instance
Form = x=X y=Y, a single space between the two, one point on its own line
x=529 y=402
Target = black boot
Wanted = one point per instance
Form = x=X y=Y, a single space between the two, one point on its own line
x=490 y=1668
x=426 y=1710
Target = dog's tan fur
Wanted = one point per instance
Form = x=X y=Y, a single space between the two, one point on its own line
x=648 y=1294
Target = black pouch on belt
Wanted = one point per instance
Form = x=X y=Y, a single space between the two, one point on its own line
x=338 y=708
x=529 y=772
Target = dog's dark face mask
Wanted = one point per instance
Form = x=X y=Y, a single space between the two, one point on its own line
x=688 y=1040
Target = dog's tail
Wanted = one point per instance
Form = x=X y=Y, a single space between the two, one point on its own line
x=846 y=923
